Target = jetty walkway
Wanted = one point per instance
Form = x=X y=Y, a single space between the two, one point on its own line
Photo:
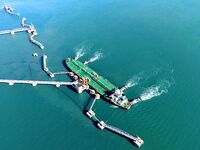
x=35 y=83
x=36 y=42
x=92 y=105
x=23 y=23
x=102 y=125
x=120 y=132
x=25 y=27
x=46 y=69
x=13 y=31
x=10 y=10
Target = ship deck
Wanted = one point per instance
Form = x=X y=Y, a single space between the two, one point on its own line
x=97 y=82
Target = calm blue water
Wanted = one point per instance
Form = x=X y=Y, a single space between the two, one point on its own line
x=157 y=42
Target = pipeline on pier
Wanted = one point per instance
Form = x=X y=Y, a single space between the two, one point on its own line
x=23 y=23
x=34 y=33
x=119 y=131
x=136 y=140
x=25 y=27
x=13 y=31
x=101 y=124
x=35 y=83
x=36 y=42
x=46 y=69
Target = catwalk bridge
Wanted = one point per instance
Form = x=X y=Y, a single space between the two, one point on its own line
x=120 y=132
x=35 y=83
x=13 y=31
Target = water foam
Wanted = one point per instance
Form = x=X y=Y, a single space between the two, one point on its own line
x=155 y=90
x=97 y=56
x=132 y=82
x=80 y=53
x=114 y=106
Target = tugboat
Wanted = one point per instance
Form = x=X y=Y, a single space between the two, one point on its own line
x=100 y=85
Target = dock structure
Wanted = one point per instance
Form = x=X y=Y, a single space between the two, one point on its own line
x=28 y=28
x=13 y=31
x=35 y=83
x=46 y=69
x=23 y=23
x=119 y=131
x=34 y=33
x=102 y=125
x=40 y=45
x=10 y=10
x=135 y=139
x=61 y=73
x=90 y=113
x=92 y=105
x=80 y=75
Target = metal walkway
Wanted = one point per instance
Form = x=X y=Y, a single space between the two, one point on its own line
x=13 y=31
x=46 y=69
x=35 y=83
x=120 y=132
x=36 y=42
x=23 y=23
x=93 y=103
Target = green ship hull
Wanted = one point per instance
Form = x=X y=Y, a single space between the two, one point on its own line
x=101 y=85
x=97 y=82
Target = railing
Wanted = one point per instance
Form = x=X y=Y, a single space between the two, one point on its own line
x=57 y=83
x=123 y=133
x=13 y=30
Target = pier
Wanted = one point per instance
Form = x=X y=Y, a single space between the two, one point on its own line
x=35 y=83
x=92 y=105
x=23 y=23
x=10 y=10
x=29 y=29
x=135 y=139
x=80 y=83
x=13 y=31
x=40 y=45
x=25 y=27
x=46 y=69
x=120 y=132
x=102 y=125
x=34 y=33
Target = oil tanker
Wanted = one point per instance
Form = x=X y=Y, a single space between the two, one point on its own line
x=99 y=84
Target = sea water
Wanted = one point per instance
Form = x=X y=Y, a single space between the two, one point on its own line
x=153 y=46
